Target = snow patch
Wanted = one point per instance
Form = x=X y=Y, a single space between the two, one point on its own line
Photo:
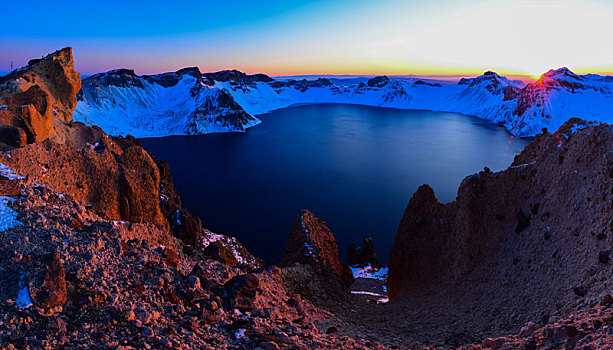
x=23 y=299
x=381 y=298
x=9 y=173
x=8 y=217
x=369 y=272
x=577 y=127
x=240 y=333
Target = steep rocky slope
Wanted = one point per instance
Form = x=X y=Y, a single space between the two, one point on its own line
x=529 y=243
x=71 y=280
x=96 y=252
x=188 y=102
x=311 y=242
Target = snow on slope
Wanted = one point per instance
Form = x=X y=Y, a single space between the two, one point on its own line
x=122 y=103
x=192 y=103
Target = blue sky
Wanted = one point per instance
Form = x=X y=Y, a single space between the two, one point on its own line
x=316 y=36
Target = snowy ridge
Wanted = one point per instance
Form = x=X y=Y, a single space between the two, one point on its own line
x=121 y=104
x=188 y=102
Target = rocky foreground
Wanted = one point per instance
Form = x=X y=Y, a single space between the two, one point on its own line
x=96 y=250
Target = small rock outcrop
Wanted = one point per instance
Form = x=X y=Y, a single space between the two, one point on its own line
x=311 y=242
x=364 y=255
x=48 y=288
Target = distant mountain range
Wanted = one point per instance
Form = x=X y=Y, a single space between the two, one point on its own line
x=189 y=102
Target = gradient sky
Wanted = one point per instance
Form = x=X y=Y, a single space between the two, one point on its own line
x=291 y=37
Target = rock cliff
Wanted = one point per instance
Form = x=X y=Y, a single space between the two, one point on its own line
x=535 y=238
x=39 y=99
x=310 y=242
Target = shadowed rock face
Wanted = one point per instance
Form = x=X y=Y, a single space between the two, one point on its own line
x=364 y=255
x=41 y=97
x=543 y=222
x=311 y=242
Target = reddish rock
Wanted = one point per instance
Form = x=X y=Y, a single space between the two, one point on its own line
x=9 y=187
x=311 y=242
x=125 y=189
x=139 y=184
x=221 y=252
x=41 y=97
x=242 y=291
x=48 y=289
x=171 y=258
x=186 y=227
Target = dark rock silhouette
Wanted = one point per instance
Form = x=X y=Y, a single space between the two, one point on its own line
x=311 y=242
x=523 y=226
x=364 y=255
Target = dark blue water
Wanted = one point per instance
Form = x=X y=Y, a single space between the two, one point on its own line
x=354 y=166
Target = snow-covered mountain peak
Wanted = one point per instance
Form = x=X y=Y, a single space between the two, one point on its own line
x=237 y=77
x=121 y=77
x=562 y=72
x=379 y=81
x=562 y=78
x=494 y=83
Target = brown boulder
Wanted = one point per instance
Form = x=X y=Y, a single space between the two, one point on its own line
x=139 y=186
x=311 y=242
x=13 y=136
x=221 y=252
x=186 y=227
x=9 y=187
x=118 y=186
x=242 y=291
x=48 y=288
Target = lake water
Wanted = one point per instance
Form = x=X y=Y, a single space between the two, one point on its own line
x=353 y=166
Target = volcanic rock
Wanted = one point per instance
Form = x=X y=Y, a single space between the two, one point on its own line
x=139 y=183
x=120 y=189
x=9 y=187
x=186 y=227
x=13 y=136
x=242 y=291
x=48 y=288
x=221 y=252
x=39 y=99
x=492 y=234
x=311 y=242
x=365 y=255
